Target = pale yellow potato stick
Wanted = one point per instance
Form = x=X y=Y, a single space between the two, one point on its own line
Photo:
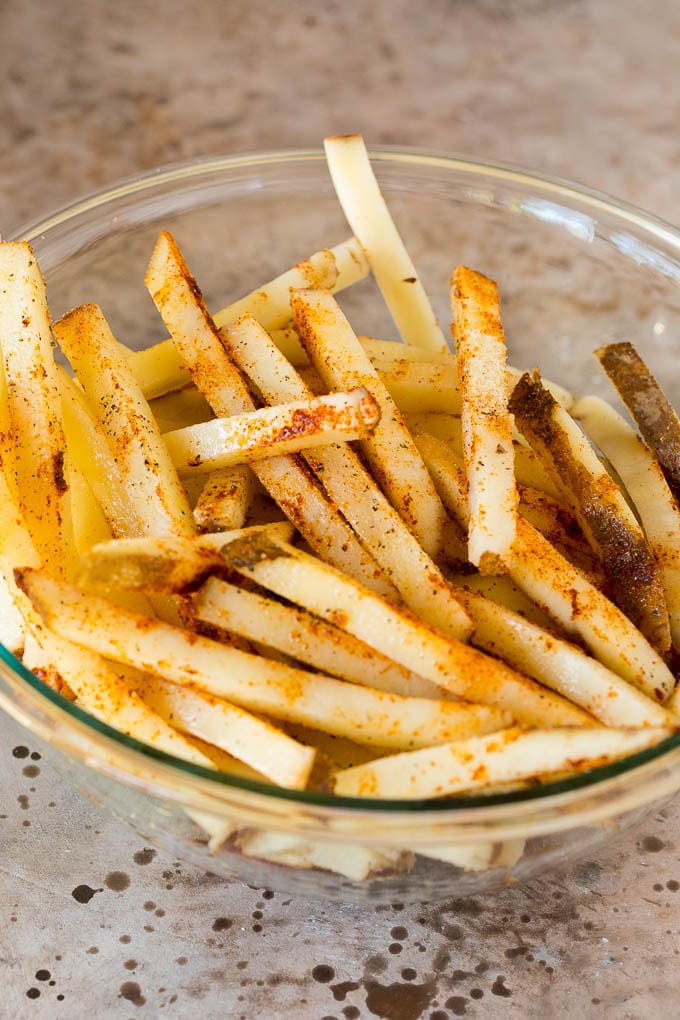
x=599 y=506
x=34 y=458
x=183 y=310
x=88 y=446
x=370 y=220
x=351 y=860
x=353 y=490
x=305 y=637
x=529 y=469
x=253 y=682
x=395 y=463
x=393 y=355
x=12 y=629
x=645 y=483
x=487 y=424
x=450 y=664
x=472 y=764
x=127 y=421
x=159 y=369
x=223 y=501
x=179 y=408
x=273 y=431
x=560 y=589
x=561 y=666
x=168 y=564
x=477 y=856
x=252 y=740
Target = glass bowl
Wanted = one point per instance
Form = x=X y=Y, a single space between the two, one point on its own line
x=576 y=270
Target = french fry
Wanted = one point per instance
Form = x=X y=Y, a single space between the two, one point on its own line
x=34 y=457
x=159 y=369
x=561 y=666
x=450 y=664
x=355 y=862
x=253 y=682
x=478 y=856
x=599 y=506
x=305 y=637
x=648 y=405
x=560 y=589
x=512 y=754
x=223 y=500
x=645 y=483
x=179 y=408
x=183 y=310
x=126 y=419
x=486 y=422
x=273 y=431
x=254 y=741
x=342 y=363
x=353 y=490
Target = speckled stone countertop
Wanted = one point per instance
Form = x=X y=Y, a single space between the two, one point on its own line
x=94 y=923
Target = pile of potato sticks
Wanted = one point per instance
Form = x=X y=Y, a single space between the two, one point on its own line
x=270 y=546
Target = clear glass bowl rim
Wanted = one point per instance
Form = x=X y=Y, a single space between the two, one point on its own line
x=634 y=780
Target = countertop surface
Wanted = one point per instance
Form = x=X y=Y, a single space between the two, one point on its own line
x=92 y=921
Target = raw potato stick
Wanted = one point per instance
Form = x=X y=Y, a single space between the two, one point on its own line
x=472 y=764
x=599 y=506
x=648 y=405
x=150 y=479
x=253 y=682
x=486 y=422
x=254 y=741
x=646 y=484
x=342 y=363
x=180 y=303
x=455 y=666
x=33 y=458
x=223 y=501
x=305 y=637
x=159 y=369
x=370 y=220
x=560 y=589
x=353 y=490
x=273 y=431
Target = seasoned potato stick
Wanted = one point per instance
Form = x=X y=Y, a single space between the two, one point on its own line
x=342 y=363
x=305 y=637
x=254 y=741
x=34 y=456
x=599 y=506
x=486 y=422
x=479 y=761
x=179 y=408
x=169 y=564
x=561 y=666
x=648 y=404
x=144 y=463
x=353 y=490
x=353 y=861
x=646 y=484
x=560 y=589
x=223 y=500
x=12 y=629
x=369 y=218
x=273 y=431
x=529 y=469
x=159 y=369
x=477 y=856
x=87 y=444
x=253 y=682
x=450 y=664
x=183 y=310
x=391 y=355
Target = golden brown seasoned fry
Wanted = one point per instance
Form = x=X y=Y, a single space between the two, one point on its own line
x=648 y=404
x=223 y=501
x=599 y=506
x=487 y=425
